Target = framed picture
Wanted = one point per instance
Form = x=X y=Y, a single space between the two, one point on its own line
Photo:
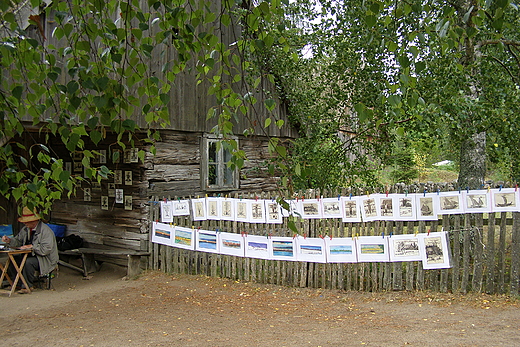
x=258 y=247
x=118 y=176
x=181 y=207
x=372 y=249
x=162 y=233
x=476 y=201
x=166 y=212
x=128 y=203
x=450 y=203
x=111 y=190
x=294 y=208
x=406 y=207
x=184 y=238
x=332 y=207
x=232 y=244
x=206 y=241
x=128 y=178
x=119 y=196
x=283 y=248
x=388 y=206
x=435 y=250
x=198 y=207
x=257 y=211
x=104 y=203
x=273 y=212
x=427 y=205
x=341 y=250
x=351 y=209
x=213 y=207
x=369 y=208
x=404 y=248
x=505 y=199
x=310 y=208
x=310 y=249
x=242 y=210
x=102 y=159
x=227 y=211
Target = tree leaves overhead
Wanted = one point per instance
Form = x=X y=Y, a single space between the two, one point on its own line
x=95 y=75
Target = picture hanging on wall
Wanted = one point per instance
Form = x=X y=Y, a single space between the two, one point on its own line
x=257 y=246
x=162 y=233
x=404 y=248
x=450 y=203
x=369 y=208
x=166 y=212
x=351 y=209
x=256 y=211
x=372 y=249
x=87 y=194
x=213 y=208
x=198 y=207
x=68 y=166
x=181 y=207
x=332 y=207
x=310 y=249
x=388 y=206
x=184 y=238
x=426 y=207
x=102 y=156
x=232 y=244
x=476 y=201
x=128 y=178
x=283 y=248
x=435 y=250
x=128 y=202
x=227 y=209
x=311 y=208
x=505 y=199
x=406 y=207
x=273 y=212
x=119 y=196
x=294 y=209
x=104 y=202
x=241 y=210
x=206 y=241
x=340 y=250
x=118 y=176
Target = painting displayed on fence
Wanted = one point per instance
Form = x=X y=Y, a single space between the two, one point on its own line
x=432 y=249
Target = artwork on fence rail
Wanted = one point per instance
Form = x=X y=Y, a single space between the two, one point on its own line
x=310 y=249
x=206 y=241
x=232 y=244
x=341 y=250
x=351 y=209
x=332 y=207
x=432 y=249
x=372 y=249
x=258 y=247
x=404 y=248
x=435 y=251
x=166 y=212
x=273 y=212
x=283 y=248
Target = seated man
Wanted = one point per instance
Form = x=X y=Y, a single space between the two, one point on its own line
x=38 y=237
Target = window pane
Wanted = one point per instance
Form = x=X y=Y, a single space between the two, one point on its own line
x=212 y=152
x=212 y=174
x=228 y=176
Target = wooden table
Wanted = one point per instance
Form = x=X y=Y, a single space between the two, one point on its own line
x=10 y=261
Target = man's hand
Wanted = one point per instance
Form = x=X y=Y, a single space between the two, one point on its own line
x=26 y=247
x=6 y=239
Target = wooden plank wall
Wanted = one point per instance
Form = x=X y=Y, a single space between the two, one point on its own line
x=485 y=252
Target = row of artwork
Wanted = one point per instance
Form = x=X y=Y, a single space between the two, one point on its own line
x=406 y=207
x=432 y=248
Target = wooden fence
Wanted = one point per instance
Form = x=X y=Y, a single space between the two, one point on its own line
x=485 y=255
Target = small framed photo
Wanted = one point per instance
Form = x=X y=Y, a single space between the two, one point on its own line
x=199 y=209
x=311 y=208
x=450 y=203
x=332 y=207
x=162 y=234
x=435 y=250
x=232 y=244
x=87 y=194
x=476 y=201
x=310 y=249
x=369 y=208
x=166 y=212
x=118 y=176
x=341 y=250
x=351 y=209
x=119 y=196
x=257 y=211
x=128 y=178
x=128 y=202
x=111 y=190
x=207 y=241
x=104 y=202
x=404 y=248
x=213 y=207
x=227 y=211
x=273 y=212
x=102 y=156
x=372 y=249
x=505 y=199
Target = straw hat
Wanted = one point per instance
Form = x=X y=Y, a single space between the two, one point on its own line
x=28 y=216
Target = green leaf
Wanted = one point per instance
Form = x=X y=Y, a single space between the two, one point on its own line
x=17 y=92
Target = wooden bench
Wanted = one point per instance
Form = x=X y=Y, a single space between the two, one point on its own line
x=90 y=265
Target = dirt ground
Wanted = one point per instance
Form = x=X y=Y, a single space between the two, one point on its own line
x=158 y=309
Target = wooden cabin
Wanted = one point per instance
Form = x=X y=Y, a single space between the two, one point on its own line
x=114 y=214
